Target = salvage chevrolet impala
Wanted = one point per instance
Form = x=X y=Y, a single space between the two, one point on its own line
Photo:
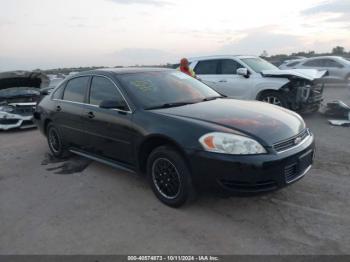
x=176 y=130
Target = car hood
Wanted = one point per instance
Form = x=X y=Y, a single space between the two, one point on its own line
x=309 y=74
x=19 y=92
x=267 y=123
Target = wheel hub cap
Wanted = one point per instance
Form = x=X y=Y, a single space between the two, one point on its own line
x=166 y=178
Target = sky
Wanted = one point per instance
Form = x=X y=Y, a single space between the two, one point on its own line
x=69 y=33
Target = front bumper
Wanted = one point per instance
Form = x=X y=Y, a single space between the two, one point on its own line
x=252 y=174
x=12 y=121
x=309 y=98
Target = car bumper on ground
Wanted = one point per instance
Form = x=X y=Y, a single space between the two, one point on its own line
x=12 y=121
x=255 y=173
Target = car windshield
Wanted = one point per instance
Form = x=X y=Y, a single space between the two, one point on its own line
x=258 y=64
x=165 y=89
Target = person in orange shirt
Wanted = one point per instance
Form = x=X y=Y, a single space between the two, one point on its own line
x=185 y=68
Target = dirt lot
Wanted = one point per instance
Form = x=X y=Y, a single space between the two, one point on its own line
x=44 y=209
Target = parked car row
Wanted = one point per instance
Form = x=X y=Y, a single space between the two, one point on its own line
x=179 y=132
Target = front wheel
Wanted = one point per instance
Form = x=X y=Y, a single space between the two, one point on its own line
x=274 y=97
x=169 y=177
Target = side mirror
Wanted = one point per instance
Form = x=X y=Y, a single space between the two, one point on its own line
x=113 y=104
x=243 y=72
x=45 y=91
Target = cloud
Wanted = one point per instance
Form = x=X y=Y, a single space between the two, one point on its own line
x=142 y=2
x=339 y=7
x=257 y=40
x=5 y=22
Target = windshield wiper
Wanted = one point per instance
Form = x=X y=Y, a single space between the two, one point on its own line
x=212 y=98
x=169 y=105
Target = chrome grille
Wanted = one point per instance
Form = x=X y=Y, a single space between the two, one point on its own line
x=291 y=142
x=26 y=110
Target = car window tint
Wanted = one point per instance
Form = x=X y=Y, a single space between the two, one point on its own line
x=75 y=89
x=102 y=89
x=229 y=67
x=58 y=92
x=331 y=63
x=315 y=63
x=293 y=64
x=208 y=67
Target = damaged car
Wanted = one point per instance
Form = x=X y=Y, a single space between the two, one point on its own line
x=253 y=78
x=19 y=93
x=176 y=131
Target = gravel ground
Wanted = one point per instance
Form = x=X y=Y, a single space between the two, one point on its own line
x=83 y=207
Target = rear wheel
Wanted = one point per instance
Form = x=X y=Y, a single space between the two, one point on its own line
x=169 y=177
x=56 y=143
x=274 y=97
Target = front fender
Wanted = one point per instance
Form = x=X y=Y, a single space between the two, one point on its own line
x=269 y=84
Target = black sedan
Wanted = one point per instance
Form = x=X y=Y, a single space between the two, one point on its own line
x=176 y=130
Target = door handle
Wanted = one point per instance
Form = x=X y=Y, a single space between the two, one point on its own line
x=58 y=109
x=223 y=81
x=91 y=115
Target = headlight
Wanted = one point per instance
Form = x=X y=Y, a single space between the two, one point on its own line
x=7 y=109
x=231 y=144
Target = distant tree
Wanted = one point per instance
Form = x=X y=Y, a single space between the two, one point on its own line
x=338 y=50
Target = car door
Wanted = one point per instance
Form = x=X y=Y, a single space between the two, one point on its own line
x=207 y=71
x=109 y=131
x=335 y=70
x=68 y=115
x=312 y=64
x=232 y=84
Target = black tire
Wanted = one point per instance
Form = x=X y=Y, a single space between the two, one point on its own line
x=274 y=97
x=56 y=143
x=169 y=177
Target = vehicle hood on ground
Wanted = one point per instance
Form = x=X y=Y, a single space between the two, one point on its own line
x=267 y=123
x=309 y=74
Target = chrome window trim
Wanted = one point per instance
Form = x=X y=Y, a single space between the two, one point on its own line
x=130 y=111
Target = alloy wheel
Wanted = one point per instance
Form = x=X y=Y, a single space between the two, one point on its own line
x=166 y=178
x=272 y=100
x=54 y=140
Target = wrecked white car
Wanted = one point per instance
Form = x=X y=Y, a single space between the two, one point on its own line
x=253 y=78
x=19 y=93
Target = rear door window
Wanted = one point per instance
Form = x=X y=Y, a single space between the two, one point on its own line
x=331 y=63
x=207 y=67
x=76 y=89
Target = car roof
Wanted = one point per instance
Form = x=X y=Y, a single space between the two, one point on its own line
x=221 y=57
x=130 y=70
x=325 y=57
